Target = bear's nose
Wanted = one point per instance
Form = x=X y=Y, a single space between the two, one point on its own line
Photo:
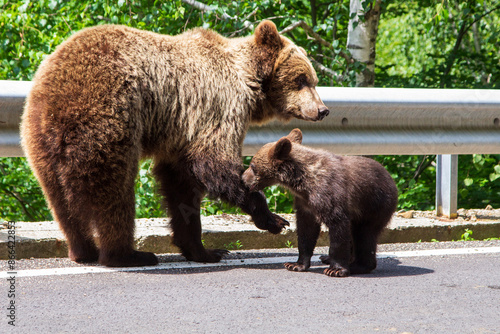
x=323 y=112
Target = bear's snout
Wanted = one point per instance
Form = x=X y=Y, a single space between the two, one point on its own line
x=323 y=112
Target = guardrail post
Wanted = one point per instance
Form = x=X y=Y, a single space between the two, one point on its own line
x=446 y=185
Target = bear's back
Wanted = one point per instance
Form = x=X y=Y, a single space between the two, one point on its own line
x=359 y=184
x=124 y=82
x=371 y=188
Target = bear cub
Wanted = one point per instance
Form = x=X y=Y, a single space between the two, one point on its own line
x=354 y=196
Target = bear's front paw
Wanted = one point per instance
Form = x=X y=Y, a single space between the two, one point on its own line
x=295 y=266
x=336 y=272
x=273 y=223
x=277 y=224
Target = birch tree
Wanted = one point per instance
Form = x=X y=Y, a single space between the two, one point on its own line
x=362 y=36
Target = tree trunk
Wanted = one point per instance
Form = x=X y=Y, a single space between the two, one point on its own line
x=361 y=38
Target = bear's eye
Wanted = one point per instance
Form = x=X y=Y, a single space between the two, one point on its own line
x=252 y=166
x=302 y=81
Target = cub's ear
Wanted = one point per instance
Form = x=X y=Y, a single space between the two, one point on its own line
x=267 y=47
x=295 y=136
x=281 y=149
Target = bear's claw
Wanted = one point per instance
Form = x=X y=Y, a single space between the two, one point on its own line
x=295 y=266
x=276 y=225
x=336 y=272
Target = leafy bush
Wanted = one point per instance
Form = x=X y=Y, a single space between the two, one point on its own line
x=415 y=178
x=20 y=196
x=478 y=181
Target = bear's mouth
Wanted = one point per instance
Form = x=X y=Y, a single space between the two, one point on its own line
x=309 y=118
x=296 y=112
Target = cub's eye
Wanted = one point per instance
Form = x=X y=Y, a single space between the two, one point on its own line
x=302 y=81
x=252 y=166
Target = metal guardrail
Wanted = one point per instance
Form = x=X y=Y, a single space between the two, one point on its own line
x=12 y=95
x=362 y=121
x=398 y=121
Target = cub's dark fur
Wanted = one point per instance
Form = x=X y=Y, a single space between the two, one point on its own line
x=354 y=196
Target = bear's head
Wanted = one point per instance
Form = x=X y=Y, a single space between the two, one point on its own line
x=288 y=78
x=266 y=167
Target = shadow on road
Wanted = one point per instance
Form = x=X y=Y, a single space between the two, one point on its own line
x=387 y=267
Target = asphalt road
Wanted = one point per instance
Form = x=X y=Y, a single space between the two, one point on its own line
x=408 y=293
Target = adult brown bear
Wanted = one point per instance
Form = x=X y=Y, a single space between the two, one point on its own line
x=111 y=95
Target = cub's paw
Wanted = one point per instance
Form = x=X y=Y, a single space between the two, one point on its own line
x=336 y=272
x=134 y=259
x=295 y=266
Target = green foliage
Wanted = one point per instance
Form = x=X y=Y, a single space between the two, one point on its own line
x=279 y=199
x=467 y=235
x=20 y=196
x=233 y=245
x=442 y=44
x=415 y=178
x=148 y=201
x=30 y=30
x=479 y=180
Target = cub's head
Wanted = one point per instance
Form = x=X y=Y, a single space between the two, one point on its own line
x=266 y=165
x=288 y=78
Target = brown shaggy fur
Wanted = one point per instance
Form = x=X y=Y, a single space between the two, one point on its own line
x=111 y=95
x=354 y=196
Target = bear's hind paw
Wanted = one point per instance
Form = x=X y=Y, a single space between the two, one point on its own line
x=208 y=256
x=134 y=259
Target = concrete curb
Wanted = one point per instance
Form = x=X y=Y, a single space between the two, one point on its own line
x=44 y=239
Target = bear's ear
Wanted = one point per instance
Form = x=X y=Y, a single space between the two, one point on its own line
x=281 y=150
x=295 y=136
x=267 y=47
x=267 y=35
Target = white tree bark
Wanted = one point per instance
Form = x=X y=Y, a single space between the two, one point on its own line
x=362 y=37
x=205 y=8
